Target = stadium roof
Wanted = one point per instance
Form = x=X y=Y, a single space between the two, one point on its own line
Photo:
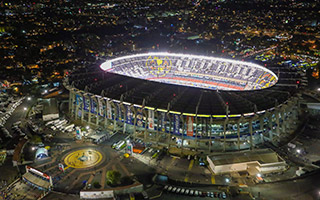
x=185 y=99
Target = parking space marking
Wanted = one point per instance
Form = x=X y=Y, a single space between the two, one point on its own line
x=213 y=179
x=191 y=165
x=172 y=161
x=186 y=178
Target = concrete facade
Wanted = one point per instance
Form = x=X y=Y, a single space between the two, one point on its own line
x=208 y=133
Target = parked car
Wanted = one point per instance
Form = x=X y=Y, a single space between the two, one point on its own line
x=182 y=191
x=223 y=195
x=174 y=189
x=145 y=195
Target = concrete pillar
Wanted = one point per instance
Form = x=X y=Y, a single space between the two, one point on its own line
x=158 y=125
x=115 y=116
x=250 y=131
x=98 y=110
x=76 y=112
x=90 y=108
x=197 y=132
x=261 y=119
x=71 y=100
x=183 y=129
x=277 y=122
x=145 y=134
x=123 y=109
x=82 y=108
x=284 y=121
x=134 y=122
x=224 y=133
x=210 y=135
x=270 y=126
x=169 y=134
x=238 y=133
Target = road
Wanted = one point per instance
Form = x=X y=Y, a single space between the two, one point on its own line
x=307 y=188
x=19 y=113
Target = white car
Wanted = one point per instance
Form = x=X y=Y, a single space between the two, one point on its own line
x=174 y=189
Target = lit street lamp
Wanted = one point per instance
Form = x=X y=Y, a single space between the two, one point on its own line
x=29 y=98
x=24 y=108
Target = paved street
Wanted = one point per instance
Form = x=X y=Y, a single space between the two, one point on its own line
x=307 y=188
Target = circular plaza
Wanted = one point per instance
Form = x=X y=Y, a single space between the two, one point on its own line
x=83 y=158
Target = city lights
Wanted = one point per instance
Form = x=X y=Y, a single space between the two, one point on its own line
x=98 y=98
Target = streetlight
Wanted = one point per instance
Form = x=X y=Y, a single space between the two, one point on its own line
x=24 y=108
x=318 y=89
x=29 y=98
x=298 y=151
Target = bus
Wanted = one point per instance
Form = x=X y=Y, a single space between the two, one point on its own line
x=119 y=145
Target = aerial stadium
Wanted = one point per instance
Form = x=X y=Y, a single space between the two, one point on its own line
x=188 y=101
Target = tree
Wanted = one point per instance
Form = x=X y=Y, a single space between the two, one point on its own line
x=113 y=177
x=96 y=185
x=35 y=139
x=126 y=180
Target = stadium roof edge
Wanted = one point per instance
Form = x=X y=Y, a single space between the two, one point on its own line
x=108 y=64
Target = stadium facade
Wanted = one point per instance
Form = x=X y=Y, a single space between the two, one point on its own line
x=193 y=102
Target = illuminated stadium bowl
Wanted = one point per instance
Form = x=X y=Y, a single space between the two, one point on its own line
x=195 y=71
x=184 y=100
